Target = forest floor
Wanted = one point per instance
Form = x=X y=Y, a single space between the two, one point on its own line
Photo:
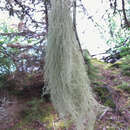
x=32 y=112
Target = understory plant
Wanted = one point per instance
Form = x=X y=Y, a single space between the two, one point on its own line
x=125 y=65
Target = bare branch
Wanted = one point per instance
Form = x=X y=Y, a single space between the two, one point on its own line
x=23 y=34
x=75 y=28
x=124 y=13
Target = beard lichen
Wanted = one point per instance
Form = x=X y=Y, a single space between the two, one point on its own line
x=65 y=71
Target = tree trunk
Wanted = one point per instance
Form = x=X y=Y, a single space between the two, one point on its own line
x=67 y=79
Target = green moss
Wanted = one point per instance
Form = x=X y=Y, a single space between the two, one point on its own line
x=116 y=64
x=48 y=119
x=104 y=96
x=36 y=111
x=109 y=102
x=123 y=64
x=111 y=129
x=97 y=83
x=90 y=67
x=22 y=125
x=33 y=110
x=96 y=61
x=125 y=86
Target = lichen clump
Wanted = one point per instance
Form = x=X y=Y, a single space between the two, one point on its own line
x=67 y=79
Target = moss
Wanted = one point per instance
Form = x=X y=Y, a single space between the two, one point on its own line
x=90 y=67
x=125 y=86
x=116 y=64
x=33 y=110
x=52 y=121
x=97 y=83
x=104 y=96
x=22 y=125
x=36 y=111
x=70 y=92
x=123 y=64
x=111 y=129
x=115 y=72
x=109 y=102
x=96 y=61
x=48 y=119
x=128 y=103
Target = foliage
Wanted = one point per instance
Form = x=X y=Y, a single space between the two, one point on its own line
x=119 y=40
x=27 y=10
x=20 y=58
x=104 y=96
x=36 y=113
x=33 y=110
x=125 y=66
x=125 y=86
x=90 y=68
x=6 y=63
x=3 y=80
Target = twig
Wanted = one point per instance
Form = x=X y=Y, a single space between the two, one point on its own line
x=22 y=34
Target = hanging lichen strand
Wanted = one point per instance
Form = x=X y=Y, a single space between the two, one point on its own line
x=67 y=79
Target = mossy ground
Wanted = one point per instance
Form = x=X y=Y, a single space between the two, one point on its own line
x=112 y=77
x=34 y=113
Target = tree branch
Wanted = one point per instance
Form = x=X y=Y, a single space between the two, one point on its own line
x=124 y=13
x=22 y=34
x=75 y=28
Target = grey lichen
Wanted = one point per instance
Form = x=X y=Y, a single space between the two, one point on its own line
x=67 y=79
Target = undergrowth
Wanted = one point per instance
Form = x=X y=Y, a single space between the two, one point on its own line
x=90 y=68
x=37 y=112
x=125 y=66
x=125 y=86
x=104 y=96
